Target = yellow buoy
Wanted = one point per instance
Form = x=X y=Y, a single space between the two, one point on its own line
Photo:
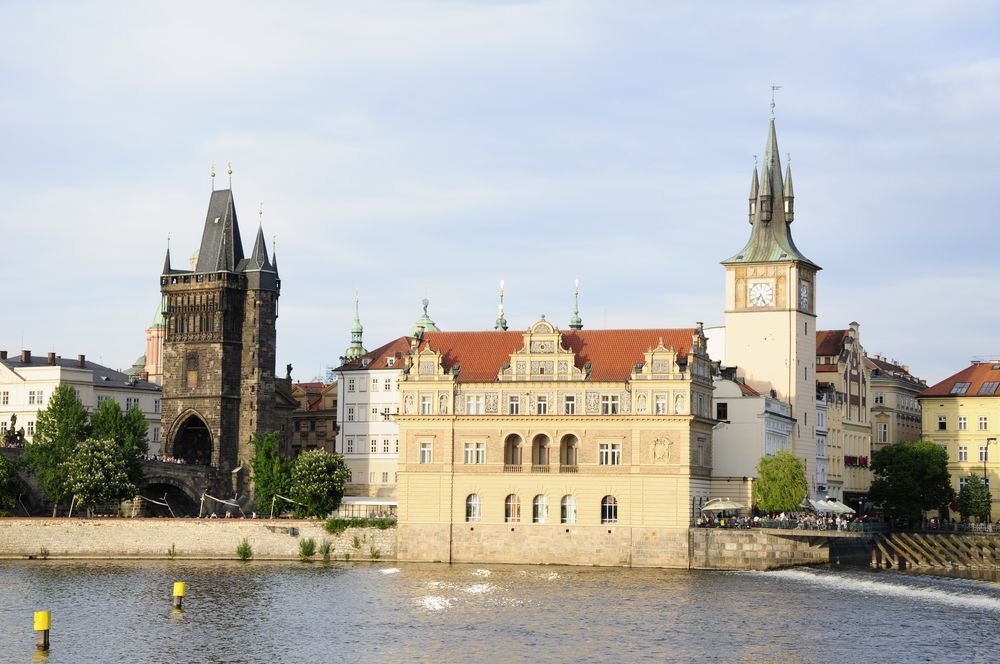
x=180 y=587
x=43 y=621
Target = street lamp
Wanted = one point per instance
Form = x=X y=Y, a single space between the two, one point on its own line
x=986 y=454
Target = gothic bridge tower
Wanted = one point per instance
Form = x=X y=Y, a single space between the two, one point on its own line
x=219 y=348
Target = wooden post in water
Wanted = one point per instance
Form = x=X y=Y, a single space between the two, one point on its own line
x=179 y=588
x=43 y=620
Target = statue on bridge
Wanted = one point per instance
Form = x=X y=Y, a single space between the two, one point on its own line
x=13 y=437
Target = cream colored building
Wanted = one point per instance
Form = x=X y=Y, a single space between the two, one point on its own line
x=844 y=378
x=552 y=446
x=962 y=414
x=27 y=382
x=895 y=407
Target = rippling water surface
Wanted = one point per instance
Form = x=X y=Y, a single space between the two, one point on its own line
x=311 y=613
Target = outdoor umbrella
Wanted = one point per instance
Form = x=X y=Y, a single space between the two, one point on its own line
x=722 y=504
x=830 y=507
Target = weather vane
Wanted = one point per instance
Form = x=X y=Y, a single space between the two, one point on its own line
x=774 y=88
x=260 y=214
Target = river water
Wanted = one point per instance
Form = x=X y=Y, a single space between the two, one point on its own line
x=313 y=612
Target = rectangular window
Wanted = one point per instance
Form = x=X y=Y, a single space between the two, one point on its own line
x=396 y=444
x=609 y=404
x=371 y=477
x=31 y=397
x=385 y=477
x=722 y=411
x=883 y=433
x=942 y=423
x=660 y=407
x=4 y=398
x=963 y=453
x=374 y=446
x=475 y=453
x=984 y=423
x=388 y=385
x=989 y=389
x=425 y=405
x=350 y=446
x=514 y=405
x=880 y=398
x=350 y=414
x=474 y=404
x=984 y=454
x=609 y=454
x=156 y=434
x=385 y=446
x=130 y=403
x=570 y=404
x=298 y=425
x=425 y=453
x=156 y=405
x=962 y=423
x=350 y=384
x=31 y=429
x=542 y=405
x=374 y=384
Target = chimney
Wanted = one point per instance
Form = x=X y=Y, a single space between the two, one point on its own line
x=52 y=359
x=3 y=355
x=26 y=356
x=81 y=361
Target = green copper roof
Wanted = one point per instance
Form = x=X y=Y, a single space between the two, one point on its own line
x=424 y=322
x=158 y=316
x=137 y=367
x=770 y=239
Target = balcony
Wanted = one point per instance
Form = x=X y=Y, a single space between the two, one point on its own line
x=511 y=468
x=567 y=469
x=536 y=468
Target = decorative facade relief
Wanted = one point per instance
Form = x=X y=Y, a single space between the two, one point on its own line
x=661 y=451
x=563 y=368
x=428 y=366
x=459 y=404
x=521 y=367
x=408 y=404
x=443 y=404
x=626 y=403
x=546 y=367
x=680 y=405
x=593 y=403
x=640 y=404
x=661 y=366
x=492 y=403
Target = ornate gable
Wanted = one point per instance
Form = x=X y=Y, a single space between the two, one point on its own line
x=543 y=357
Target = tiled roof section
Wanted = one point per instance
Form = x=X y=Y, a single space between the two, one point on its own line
x=102 y=376
x=830 y=342
x=379 y=358
x=975 y=374
x=826 y=368
x=748 y=391
x=612 y=354
x=881 y=367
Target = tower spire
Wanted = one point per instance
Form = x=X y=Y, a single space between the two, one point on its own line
x=501 y=324
x=575 y=322
x=789 y=192
x=356 y=349
x=166 y=261
x=754 y=188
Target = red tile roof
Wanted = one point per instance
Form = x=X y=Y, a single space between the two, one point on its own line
x=826 y=368
x=975 y=374
x=830 y=342
x=379 y=358
x=612 y=353
x=882 y=367
x=748 y=391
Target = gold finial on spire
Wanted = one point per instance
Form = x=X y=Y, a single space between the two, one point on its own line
x=213 y=176
x=229 y=167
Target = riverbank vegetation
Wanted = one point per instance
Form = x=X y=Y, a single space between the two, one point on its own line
x=336 y=526
x=781 y=485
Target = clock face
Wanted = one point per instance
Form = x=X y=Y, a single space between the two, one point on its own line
x=804 y=295
x=761 y=295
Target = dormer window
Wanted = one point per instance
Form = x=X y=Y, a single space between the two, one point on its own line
x=390 y=361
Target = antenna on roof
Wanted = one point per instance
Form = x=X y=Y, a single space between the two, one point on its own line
x=213 y=176
x=229 y=165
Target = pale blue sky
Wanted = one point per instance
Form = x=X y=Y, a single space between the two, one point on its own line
x=410 y=149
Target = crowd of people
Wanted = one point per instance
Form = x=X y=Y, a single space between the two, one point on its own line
x=170 y=459
x=790 y=520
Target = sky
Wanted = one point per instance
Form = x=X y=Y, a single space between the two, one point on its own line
x=430 y=149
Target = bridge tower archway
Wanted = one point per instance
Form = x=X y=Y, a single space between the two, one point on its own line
x=193 y=440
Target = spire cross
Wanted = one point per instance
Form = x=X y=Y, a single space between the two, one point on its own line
x=774 y=88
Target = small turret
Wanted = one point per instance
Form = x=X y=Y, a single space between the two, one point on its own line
x=789 y=193
x=424 y=322
x=766 y=194
x=754 y=188
x=356 y=349
x=501 y=324
x=166 y=262
x=575 y=322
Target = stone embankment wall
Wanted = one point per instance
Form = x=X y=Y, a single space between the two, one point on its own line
x=190 y=538
x=713 y=548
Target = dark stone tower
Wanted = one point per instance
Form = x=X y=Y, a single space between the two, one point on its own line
x=219 y=349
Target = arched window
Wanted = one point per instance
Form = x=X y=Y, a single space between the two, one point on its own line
x=512 y=509
x=540 y=450
x=540 y=509
x=512 y=450
x=472 y=508
x=567 y=451
x=567 y=509
x=609 y=510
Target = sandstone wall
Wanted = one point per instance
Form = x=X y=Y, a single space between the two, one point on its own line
x=191 y=538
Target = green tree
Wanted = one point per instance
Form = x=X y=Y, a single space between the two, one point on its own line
x=781 y=483
x=7 y=489
x=909 y=479
x=318 y=480
x=58 y=430
x=272 y=473
x=97 y=472
x=127 y=430
x=974 y=499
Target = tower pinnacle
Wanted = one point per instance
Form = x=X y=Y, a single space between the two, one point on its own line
x=501 y=324
x=575 y=322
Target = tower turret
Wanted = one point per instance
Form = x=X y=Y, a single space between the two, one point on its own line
x=575 y=322
x=356 y=349
x=789 y=193
x=754 y=188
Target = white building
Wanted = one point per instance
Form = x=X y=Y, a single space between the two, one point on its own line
x=27 y=382
x=822 y=485
x=751 y=426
